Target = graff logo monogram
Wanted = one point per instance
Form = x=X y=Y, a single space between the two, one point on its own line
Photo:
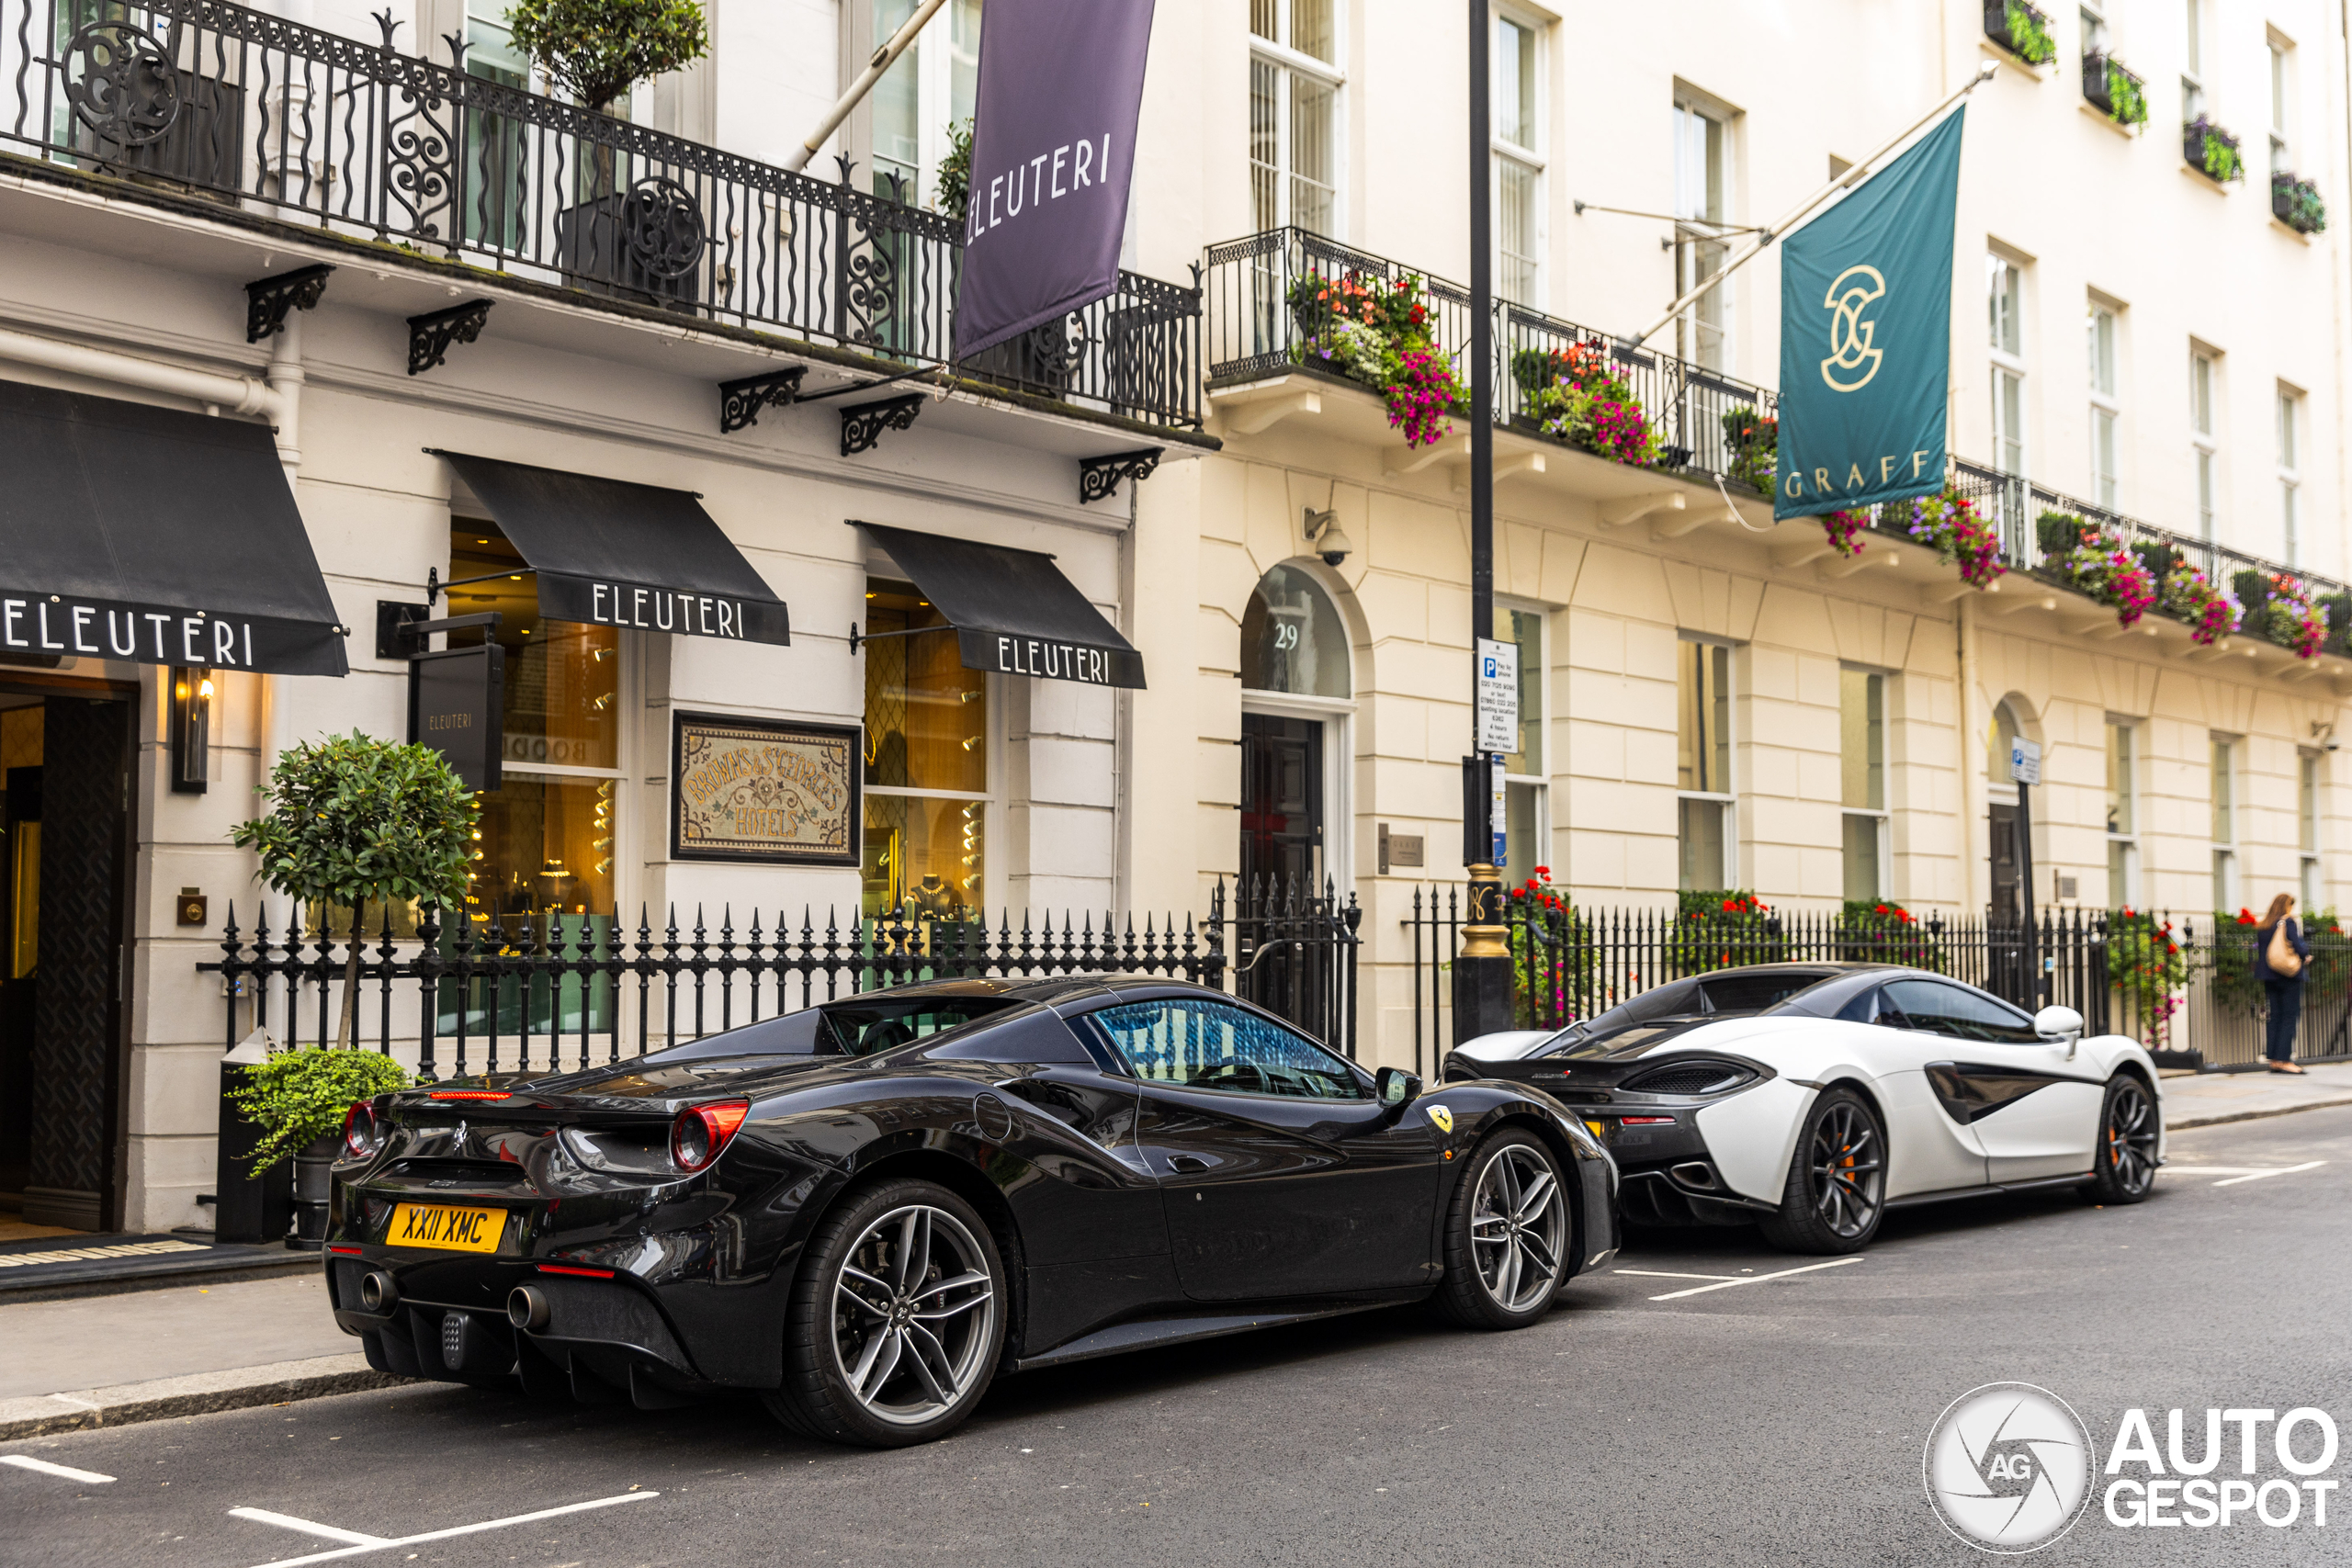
x=1857 y=288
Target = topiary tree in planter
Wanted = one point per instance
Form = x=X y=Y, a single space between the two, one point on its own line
x=598 y=51
x=300 y=1096
x=355 y=819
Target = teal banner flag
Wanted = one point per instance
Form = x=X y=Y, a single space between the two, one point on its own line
x=1866 y=337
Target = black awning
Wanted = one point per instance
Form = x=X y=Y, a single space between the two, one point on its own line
x=139 y=532
x=1013 y=610
x=617 y=553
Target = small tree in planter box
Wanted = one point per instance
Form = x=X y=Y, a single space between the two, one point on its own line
x=598 y=51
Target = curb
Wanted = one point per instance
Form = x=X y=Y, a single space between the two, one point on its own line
x=2185 y=1122
x=241 y=1388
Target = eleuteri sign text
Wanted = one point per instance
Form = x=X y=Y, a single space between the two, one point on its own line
x=95 y=628
x=644 y=607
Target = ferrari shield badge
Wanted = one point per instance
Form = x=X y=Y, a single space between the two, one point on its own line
x=1443 y=1116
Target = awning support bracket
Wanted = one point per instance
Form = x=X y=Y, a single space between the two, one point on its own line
x=403 y=631
x=1098 y=478
x=431 y=335
x=856 y=640
x=863 y=423
x=268 y=299
x=739 y=402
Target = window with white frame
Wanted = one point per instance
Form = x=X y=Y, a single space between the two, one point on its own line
x=934 y=86
x=2192 y=70
x=2281 y=68
x=1862 y=754
x=2005 y=307
x=2107 y=411
x=2291 y=409
x=930 y=767
x=2311 y=886
x=2093 y=19
x=2203 y=437
x=1518 y=159
x=1294 y=83
x=1527 y=821
x=2122 y=813
x=1701 y=137
x=1704 y=764
x=2225 y=792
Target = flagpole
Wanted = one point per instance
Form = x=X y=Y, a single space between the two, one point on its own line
x=1852 y=177
x=876 y=66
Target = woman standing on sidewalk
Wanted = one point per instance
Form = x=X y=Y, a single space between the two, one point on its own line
x=2280 y=954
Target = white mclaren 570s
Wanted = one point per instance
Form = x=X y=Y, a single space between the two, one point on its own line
x=1810 y=1099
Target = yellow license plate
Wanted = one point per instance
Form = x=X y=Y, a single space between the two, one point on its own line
x=450 y=1230
x=1600 y=1130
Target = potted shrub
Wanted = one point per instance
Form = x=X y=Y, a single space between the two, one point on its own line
x=2211 y=151
x=2212 y=613
x=1588 y=403
x=597 y=51
x=1754 y=447
x=1378 y=331
x=2295 y=202
x=2021 y=30
x=1948 y=524
x=2290 y=618
x=2113 y=91
x=300 y=1099
x=2097 y=564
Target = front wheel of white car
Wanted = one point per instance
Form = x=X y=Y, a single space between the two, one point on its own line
x=1836 y=1193
x=2123 y=1166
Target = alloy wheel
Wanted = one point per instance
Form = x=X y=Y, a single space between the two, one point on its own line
x=2131 y=1137
x=1519 y=1228
x=1845 y=1170
x=915 y=1314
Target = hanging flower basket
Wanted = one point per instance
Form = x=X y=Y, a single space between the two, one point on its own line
x=2290 y=619
x=1949 y=525
x=2097 y=564
x=1586 y=404
x=2212 y=611
x=1377 y=332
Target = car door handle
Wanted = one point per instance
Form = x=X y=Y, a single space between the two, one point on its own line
x=1186 y=1165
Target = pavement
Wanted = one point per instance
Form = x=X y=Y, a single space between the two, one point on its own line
x=2205 y=1100
x=1700 y=1399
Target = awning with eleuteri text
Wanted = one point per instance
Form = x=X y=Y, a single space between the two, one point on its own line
x=1013 y=610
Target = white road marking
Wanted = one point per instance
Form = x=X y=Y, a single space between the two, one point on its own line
x=287 y=1521
x=26 y=1462
x=2283 y=1170
x=2216 y=1170
x=1662 y=1274
x=461 y=1529
x=1753 y=1280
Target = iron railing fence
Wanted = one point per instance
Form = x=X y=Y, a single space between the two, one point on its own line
x=2220 y=1011
x=1260 y=324
x=1571 y=963
x=517 y=992
x=460 y=161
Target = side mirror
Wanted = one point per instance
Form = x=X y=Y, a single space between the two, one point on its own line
x=1395 y=1088
x=2057 y=1024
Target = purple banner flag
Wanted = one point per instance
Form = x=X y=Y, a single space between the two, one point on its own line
x=1053 y=147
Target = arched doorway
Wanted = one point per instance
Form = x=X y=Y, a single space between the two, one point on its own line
x=2005 y=863
x=1298 y=691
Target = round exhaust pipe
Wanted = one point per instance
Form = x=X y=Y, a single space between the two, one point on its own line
x=526 y=1308
x=378 y=1294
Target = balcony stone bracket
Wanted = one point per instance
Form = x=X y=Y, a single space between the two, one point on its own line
x=1253 y=411
x=1959 y=589
x=1861 y=560
x=739 y=402
x=862 y=425
x=1098 y=478
x=1633 y=508
x=1403 y=460
x=431 y=335
x=268 y=299
x=1513 y=466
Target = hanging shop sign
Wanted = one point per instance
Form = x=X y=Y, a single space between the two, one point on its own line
x=1866 y=337
x=764 y=792
x=455 y=705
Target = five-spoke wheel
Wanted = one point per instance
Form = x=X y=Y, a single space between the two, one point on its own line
x=1509 y=1237
x=1836 y=1193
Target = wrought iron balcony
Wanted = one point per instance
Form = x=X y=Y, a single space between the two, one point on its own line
x=367 y=144
x=1261 y=324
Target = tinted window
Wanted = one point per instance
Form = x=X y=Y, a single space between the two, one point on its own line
x=1964 y=1014
x=1732 y=993
x=1211 y=1045
x=863 y=1027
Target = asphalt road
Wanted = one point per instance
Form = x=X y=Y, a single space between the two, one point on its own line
x=1775 y=1421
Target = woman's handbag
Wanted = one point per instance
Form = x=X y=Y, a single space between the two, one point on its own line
x=2284 y=961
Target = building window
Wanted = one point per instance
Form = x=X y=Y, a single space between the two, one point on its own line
x=1295 y=85
x=928 y=764
x=1527 y=823
x=2106 y=411
x=2192 y=74
x=1861 y=746
x=2202 y=441
x=1519 y=161
x=2280 y=162
x=2093 y=19
x=2290 y=481
x=2225 y=829
x=1702 y=763
x=2122 y=817
x=2005 y=300
x=1701 y=246
x=1293 y=640
x=931 y=87
x=2312 y=886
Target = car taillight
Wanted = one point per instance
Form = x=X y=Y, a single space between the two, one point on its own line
x=471 y=1094
x=701 y=1130
x=362 y=1133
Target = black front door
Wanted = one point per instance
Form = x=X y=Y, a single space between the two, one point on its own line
x=2008 y=967
x=2007 y=905
x=1282 y=803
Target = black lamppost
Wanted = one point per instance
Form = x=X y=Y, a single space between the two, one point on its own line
x=1482 y=971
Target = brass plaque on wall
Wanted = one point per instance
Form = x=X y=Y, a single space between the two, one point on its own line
x=763 y=792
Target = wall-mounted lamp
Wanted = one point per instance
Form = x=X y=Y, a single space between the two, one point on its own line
x=191 y=730
x=1324 y=532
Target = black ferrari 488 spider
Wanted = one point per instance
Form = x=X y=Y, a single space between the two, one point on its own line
x=865 y=1210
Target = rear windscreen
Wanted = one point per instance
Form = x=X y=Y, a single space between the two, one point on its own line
x=1666 y=1011
x=861 y=1027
